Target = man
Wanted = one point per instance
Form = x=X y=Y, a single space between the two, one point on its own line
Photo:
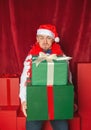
x=46 y=39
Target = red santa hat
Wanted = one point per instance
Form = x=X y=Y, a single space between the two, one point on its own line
x=50 y=30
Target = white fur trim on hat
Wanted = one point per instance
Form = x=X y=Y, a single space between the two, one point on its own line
x=57 y=39
x=45 y=32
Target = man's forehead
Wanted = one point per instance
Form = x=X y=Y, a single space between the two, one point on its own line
x=45 y=36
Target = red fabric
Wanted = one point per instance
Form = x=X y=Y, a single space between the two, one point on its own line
x=56 y=49
x=52 y=28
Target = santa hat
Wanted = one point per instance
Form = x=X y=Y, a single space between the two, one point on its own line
x=49 y=30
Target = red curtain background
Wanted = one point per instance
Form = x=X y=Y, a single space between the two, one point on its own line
x=19 y=20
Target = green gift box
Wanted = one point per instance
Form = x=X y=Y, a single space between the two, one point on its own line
x=50 y=103
x=50 y=73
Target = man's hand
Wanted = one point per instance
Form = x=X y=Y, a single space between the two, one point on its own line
x=24 y=107
x=75 y=107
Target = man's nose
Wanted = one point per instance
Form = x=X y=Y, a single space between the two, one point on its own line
x=45 y=40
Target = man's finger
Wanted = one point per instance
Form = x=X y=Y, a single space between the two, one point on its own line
x=24 y=111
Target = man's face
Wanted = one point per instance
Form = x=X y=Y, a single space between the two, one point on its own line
x=45 y=41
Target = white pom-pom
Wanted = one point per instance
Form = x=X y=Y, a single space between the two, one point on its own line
x=57 y=39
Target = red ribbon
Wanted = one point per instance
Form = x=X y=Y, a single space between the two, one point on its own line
x=8 y=92
x=50 y=102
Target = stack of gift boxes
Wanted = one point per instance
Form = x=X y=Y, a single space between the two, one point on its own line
x=9 y=104
x=50 y=96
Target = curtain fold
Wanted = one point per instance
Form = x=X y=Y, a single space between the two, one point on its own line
x=19 y=20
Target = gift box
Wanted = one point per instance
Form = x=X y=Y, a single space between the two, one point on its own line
x=50 y=73
x=85 y=123
x=7 y=120
x=75 y=123
x=9 y=93
x=49 y=103
x=21 y=123
x=84 y=89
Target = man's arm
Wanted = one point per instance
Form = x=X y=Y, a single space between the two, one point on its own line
x=23 y=82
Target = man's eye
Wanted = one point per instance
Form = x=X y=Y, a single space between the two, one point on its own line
x=41 y=37
x=49 y=38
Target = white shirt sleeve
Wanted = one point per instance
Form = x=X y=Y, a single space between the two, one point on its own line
x=23 y=79
x=69 y=72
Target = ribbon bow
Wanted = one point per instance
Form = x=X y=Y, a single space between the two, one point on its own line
x=42 y=56
x=49 y=58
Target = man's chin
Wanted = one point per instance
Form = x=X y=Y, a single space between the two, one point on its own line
x=45 y=48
